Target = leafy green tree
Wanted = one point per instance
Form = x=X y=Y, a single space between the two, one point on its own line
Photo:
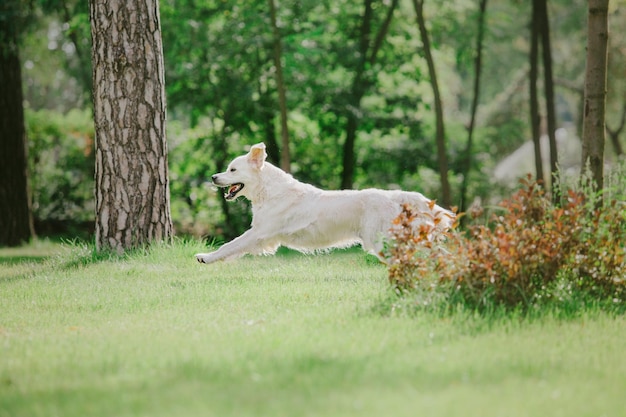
x=218 y=65
x=285 y=160
x=467 y=154
x=366 y=57
x=540 y=37
x=440 y=138
x=74 y=15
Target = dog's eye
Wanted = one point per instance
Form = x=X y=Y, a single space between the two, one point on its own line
x=233 y=169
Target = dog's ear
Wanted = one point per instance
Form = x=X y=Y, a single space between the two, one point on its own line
x=257 y=155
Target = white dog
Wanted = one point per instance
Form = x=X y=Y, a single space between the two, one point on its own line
x=300 y=216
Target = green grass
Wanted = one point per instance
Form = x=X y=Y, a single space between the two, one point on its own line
x=156 y=334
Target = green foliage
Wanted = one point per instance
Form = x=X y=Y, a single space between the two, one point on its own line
x=197 y=206
x=61 y=164
x=530 y=253
x=221 y=90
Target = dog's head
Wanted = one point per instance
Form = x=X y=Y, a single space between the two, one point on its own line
x=241 y=172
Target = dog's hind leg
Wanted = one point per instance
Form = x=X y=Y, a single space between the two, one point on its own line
x=374 y=245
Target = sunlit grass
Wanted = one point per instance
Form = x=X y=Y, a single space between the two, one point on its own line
x=156 y=334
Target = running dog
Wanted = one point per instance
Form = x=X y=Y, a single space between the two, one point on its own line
x=300 y=216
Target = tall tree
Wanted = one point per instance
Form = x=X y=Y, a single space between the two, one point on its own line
x=467 y=156
x=368 y=54
x=442 y=157
x=535 y=118
x=595 y=90
x=548 y=85
x=16 y=223
x=280 y=87
x=132 y=185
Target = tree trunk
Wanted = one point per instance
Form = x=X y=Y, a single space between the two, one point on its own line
x=534 y=97
x=16 y=223
x=549 y=90
x=132 y=186
x=442 y=157
x=266 y=117
x=285 y=160
x=595 y=91
x=361 y=82
x=467 y=157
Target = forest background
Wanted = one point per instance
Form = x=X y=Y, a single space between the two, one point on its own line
x=222 y=96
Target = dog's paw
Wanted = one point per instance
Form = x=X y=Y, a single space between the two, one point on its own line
x=203 y=258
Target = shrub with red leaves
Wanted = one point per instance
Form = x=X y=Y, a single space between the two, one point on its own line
x=523 y=250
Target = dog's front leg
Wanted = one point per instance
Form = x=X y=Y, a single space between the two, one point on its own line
x=237 y=247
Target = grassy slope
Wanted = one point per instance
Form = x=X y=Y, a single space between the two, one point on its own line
x=160 y=335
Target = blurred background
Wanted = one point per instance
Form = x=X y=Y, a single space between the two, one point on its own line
x=222 y=96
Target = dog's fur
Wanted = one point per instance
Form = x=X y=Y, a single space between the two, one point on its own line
x=300 y=216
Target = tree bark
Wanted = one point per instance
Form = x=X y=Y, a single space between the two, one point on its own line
x=467 y=157
x=285 y=159
x=16 y=222
x=132 y=186
x=534 y=97
x=442 y=157
x=595 y=91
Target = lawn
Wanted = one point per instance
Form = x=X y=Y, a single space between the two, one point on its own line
x=157 y=334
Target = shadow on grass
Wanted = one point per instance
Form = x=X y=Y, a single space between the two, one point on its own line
x=19 y=259
x=23 y=262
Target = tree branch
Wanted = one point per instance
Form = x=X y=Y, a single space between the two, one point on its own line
x=382 y=33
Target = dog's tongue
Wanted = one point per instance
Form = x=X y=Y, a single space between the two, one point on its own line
x=233 y=190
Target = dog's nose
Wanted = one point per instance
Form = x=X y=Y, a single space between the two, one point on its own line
x=214 y=178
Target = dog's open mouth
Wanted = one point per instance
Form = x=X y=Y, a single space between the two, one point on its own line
x=233 y=190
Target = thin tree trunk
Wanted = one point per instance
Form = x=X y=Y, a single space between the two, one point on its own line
x=285 y=160
x=367 y=55
x=266 y=116
x=352 y=124
x=595 y=91
x=544 y=22
x=534 y=100
x=359 y=85
x=467 y=157
x=442 y=157
x=16 y=222
x=132 y=186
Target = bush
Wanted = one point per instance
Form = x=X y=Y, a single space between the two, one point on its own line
x=527 y=254
x=61 y=166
